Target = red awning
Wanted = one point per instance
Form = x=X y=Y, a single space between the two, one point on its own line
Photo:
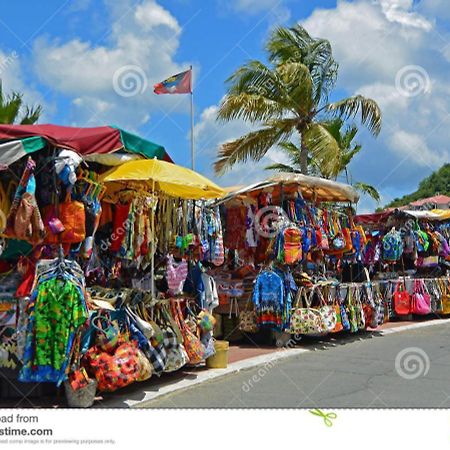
x=366 y=219
x=84 y=141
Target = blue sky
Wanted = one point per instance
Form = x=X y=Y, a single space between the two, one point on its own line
x=72 y=56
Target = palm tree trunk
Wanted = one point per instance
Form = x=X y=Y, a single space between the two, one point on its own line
x=303 y=158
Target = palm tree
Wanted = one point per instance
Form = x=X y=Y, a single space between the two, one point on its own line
x=13 y=110
x=291 y=95
x=347 y=150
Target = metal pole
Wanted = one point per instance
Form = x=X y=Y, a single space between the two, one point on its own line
x=192 y=126
x=153 y=240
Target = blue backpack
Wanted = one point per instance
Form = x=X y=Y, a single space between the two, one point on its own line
x=392 y=246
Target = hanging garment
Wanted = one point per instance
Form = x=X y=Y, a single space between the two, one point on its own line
x=235 y=228
x=211 y=295
x=56 y=311
x=268 y=298
x=176 y=275
x=119 y=226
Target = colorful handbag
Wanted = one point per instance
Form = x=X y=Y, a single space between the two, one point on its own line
x=194 y=348
x=402 y=300
x=434 y=290
x=351 y=311
x=304 y=319
x=343 y=311
x=248 y=319
x=145 y=367
x=107 y=332
x=292 y=245
x=421 y=300
x=116 y=370
x=443 y=283
x=327 y=311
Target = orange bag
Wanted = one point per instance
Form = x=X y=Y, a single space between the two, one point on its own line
x=292 y=245
x=72 y=215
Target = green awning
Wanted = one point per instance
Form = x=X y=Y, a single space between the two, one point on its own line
x=135 y=144
x=12 y=151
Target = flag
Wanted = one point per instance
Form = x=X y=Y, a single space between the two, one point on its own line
x=176 y=84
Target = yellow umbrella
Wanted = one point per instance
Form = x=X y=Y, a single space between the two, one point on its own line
x=165 y=177
x=173 y=180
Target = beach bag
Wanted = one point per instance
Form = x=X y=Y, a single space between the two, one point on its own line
x=327 y=311
x=351 y=311
x=421 y=300
x=422 y=241
x=402 y=300
x=107 y=332
x=392 y=246
x=322 y=239
x=114 y=370
x=145 y=367
x=445 y=296
x=194 y=348
x=433 y=288
x=304 y=319
x=248 y=321
x=292 y=245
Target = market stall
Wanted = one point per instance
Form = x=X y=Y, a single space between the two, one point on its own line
x=80 y=305
x=300 y=263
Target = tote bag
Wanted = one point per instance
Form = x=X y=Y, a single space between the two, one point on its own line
x=402 y=300
x=421 y=299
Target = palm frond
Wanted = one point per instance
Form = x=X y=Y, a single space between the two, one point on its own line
x=297 y=81
x=280 y=167
x=255 y=77
x=10 y=108
x=251 y=107
x=350 y=107
x=31 y=115
x=368 y=190
x=348 y=155
x=296 y=45
x=254 y=145
x=323 y=148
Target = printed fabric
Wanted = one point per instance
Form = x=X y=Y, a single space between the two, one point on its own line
x=268 y=298
x=56 y=310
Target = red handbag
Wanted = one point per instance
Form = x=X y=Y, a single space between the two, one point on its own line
x=402 y=300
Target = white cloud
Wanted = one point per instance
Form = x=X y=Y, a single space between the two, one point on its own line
x=400 y=11
x=146 y=36
x=414 y=146
x=373 y=41
x=12 y=76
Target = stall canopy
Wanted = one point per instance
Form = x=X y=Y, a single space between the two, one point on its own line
x=85 y=141
x=312 y=188
x=170 y=179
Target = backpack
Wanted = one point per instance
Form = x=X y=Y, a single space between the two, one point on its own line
x=392 y=246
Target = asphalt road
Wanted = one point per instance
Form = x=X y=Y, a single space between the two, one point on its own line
x=405 y=369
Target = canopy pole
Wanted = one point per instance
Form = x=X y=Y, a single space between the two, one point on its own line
x=192 y=126
x=153 y=241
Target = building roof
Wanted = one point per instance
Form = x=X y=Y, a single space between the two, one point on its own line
x=436 y=199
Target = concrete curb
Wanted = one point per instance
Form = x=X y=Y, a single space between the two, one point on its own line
x=252 y=363
x=414 y=326
x=214 y=374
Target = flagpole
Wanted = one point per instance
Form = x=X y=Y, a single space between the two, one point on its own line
x=192 y=126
